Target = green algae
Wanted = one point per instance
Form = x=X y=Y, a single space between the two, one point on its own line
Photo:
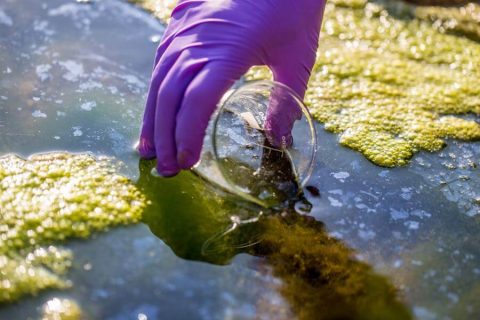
x=49 y=198
x=463 y=20
x=387 y=74
x=32 y=272
x=61 y=309
x=160 y=8
x=385 y=81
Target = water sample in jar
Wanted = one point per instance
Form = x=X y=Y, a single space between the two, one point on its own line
x=260 y=144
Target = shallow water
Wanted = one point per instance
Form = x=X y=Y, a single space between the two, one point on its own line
x=74 y=78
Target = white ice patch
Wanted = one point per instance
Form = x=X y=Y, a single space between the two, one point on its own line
x=78 y=14
x=38 y=114
x=40 y=50
x=341 y=176
x=397 y=264
x=90 y=85
x=453 y=297
x=77 y=132
x=74 y=70
x=4 y=19
x=336 y=191
x=424 y=313
x=88 y=106
x=412 y=225
x=406 y=193
x=68 y=10
x=417 y=262
x=366 y=234
x=420 y=213
x=334 y=202
x=398 y=215
x=113 y=89
x=133 y=80
x=363 y=206
x=473 y=212
x=42 y=26
x=383 y=173
x=42 y=71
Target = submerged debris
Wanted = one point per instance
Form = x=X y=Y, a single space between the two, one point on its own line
x=313 y=191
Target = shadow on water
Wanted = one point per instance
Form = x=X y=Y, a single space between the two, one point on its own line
x=320 y=276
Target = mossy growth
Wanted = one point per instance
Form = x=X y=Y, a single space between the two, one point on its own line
x=160 y=8
x=389 y=77
x=459 y=20
x=61 y=309
x=321 y=278
x=49 y=198
x=387 y=74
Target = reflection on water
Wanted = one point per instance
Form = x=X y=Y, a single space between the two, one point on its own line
x=73 y=77
x=186 y=213
x=320 y=277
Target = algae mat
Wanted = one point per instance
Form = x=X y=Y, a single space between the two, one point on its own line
x=49 y=198
x=392 y=78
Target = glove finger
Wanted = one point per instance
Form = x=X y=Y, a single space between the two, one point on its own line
x=169 y=99
x=201 y=99
x=283 y=109
x=162 y=63
x=167 y=39
x=146 y=146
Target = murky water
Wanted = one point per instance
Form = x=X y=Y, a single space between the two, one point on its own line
x=74 y=78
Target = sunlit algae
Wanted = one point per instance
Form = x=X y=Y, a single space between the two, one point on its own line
x=49 y=198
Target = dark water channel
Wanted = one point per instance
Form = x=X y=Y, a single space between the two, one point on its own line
x=73 y=77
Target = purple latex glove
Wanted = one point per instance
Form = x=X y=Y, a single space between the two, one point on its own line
x=207 y=46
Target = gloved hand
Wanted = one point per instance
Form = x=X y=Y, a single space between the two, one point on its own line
x=208 y=45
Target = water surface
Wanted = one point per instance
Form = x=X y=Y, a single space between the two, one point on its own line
x=74 y=78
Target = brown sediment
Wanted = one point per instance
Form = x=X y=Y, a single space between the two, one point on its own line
x=321 y=278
